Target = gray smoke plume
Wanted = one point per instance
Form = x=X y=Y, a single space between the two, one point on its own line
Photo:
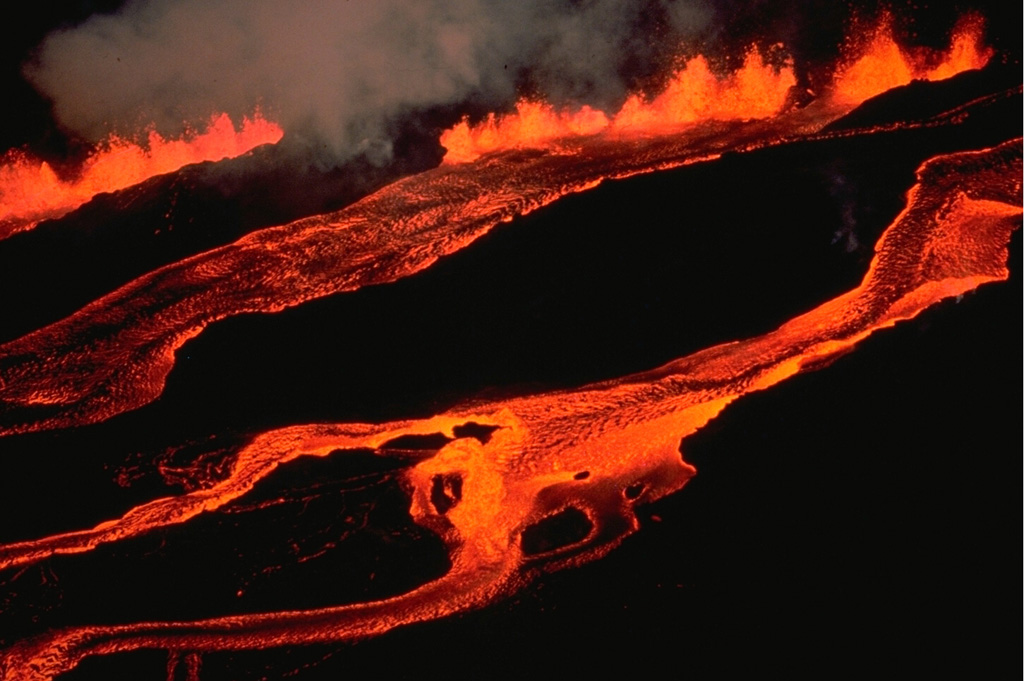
x=336 y=74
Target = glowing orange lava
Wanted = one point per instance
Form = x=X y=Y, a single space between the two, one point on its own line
x=595 y=451
x=31 y=191
x=696 y=94
x=64 y=374
x=532 y=124
x=883 y=64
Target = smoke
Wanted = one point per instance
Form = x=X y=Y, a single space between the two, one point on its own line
x=338 y=75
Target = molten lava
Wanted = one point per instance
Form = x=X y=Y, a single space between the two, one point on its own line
x=60 y=375
x=595 y=451
x=591 y=452
x=696 y=94
x=31 y=191
x=883 y=64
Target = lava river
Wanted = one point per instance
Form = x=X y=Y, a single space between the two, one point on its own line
x=589 y=453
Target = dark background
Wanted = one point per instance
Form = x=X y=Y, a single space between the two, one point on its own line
x=861 y=519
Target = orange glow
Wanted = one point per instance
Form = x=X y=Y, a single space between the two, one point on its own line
x=31 y=191
x=884 y=65
x=694 y=94
x=967 y=52
x=393 y=233
x=599 y=449
x=532 y=124
x=61 y=376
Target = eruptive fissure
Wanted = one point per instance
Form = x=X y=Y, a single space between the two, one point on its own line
x=625 y=433
x=696 y=94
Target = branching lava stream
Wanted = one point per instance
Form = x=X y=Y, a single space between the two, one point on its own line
x=591 y=452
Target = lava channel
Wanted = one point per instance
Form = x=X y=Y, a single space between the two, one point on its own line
x=592 y=452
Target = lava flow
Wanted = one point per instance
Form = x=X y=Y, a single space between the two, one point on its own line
x=31 y=191
x=64 y=375
x=591 y=453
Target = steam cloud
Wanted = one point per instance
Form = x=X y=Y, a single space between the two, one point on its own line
x=337 y=75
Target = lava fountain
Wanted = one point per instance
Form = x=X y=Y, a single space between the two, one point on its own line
x=31 y=191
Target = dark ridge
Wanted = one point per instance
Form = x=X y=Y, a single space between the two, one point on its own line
x=121 y=666
x=479 y=431
x=634 y=491
x=445 y=492
x=435 y=441
x=565 y=528
x=922 y=100
x=431 y=442
x=342 y=469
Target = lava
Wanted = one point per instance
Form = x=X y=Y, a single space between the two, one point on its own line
x=884 y=64
x=62 y=375
x=696 y=94
x=595 y=451
x=592 y=452
x=32 y=191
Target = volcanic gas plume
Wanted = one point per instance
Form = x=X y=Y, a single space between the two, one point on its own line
x=518 y=486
